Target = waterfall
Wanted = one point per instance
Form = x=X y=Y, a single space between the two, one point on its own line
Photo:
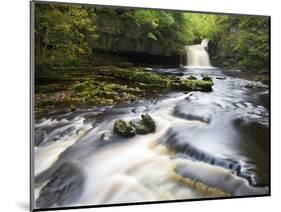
x=197 y=56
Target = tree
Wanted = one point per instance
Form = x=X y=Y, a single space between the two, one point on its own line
x=63 y=33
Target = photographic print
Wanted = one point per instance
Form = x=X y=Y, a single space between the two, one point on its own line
x=139 y=105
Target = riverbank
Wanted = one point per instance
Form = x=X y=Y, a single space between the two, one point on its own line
x=70 y=88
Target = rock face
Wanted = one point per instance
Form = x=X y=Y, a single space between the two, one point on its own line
x=138 y=126
x=122 y=128
x=63 y=187
x=124 y=35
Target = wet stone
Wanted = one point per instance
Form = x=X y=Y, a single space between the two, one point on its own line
x=140 y=127
x=123 y=129
x=106 y=136
x=206 y=77
x=63 y=188
x=148 y=122
x=39 y=137
x=220 y=78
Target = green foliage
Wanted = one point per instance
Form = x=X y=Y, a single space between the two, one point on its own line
x=243 y=42
x=253 y=42
x=63 y=33
x=201 y=26
x=66 y=34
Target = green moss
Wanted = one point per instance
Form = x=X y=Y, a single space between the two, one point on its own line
x=155 y=81
x=135 y=75
x=193 y=85
x=122 y=128
x=263 y=79
x=138 y=83
x=112 y=85
x=104 y=93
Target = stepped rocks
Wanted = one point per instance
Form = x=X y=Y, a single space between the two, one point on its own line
x=140 y=126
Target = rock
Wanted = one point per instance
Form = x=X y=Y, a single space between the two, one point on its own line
x=263 y=79
x=205 y=77
x=255 y=85
x=139 y=109
x=220 y=77
x=39 y=136
x=249 y=85
x=140 y=127
x=148 y=122
x=122 y=128
x=191 y=77
x=67 y=131
x=188 y=109
x=106 y=136
x=64 y=187
x=72 y=108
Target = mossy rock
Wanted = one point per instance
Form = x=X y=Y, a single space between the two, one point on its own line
x=130 y=84
x=206 y=77
x=194 y=85
x=144 y=125
x=148 y=122
x=191 y=77
x=123 y=129
x=140 y=127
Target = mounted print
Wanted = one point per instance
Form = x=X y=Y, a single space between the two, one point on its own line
x=139 y=105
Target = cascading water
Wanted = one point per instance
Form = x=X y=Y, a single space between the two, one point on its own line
x=205 y=145
x=197 y=56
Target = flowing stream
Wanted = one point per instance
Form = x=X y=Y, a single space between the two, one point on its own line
x=197 y=56
x=206 y=144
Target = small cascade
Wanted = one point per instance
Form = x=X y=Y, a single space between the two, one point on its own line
x=197 y=56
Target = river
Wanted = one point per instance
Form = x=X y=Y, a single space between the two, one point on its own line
x=206 y=144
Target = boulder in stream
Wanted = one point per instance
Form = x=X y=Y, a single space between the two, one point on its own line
x=123 y=129
x=148 y=122
x=144 y=125
x=191 y=77
x=139 y=126
x=220 y=77
x=106 y=136
x=206 y=77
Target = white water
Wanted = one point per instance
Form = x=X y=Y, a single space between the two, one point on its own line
x=156 y=166
x=197 y=56
x=139 y=170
